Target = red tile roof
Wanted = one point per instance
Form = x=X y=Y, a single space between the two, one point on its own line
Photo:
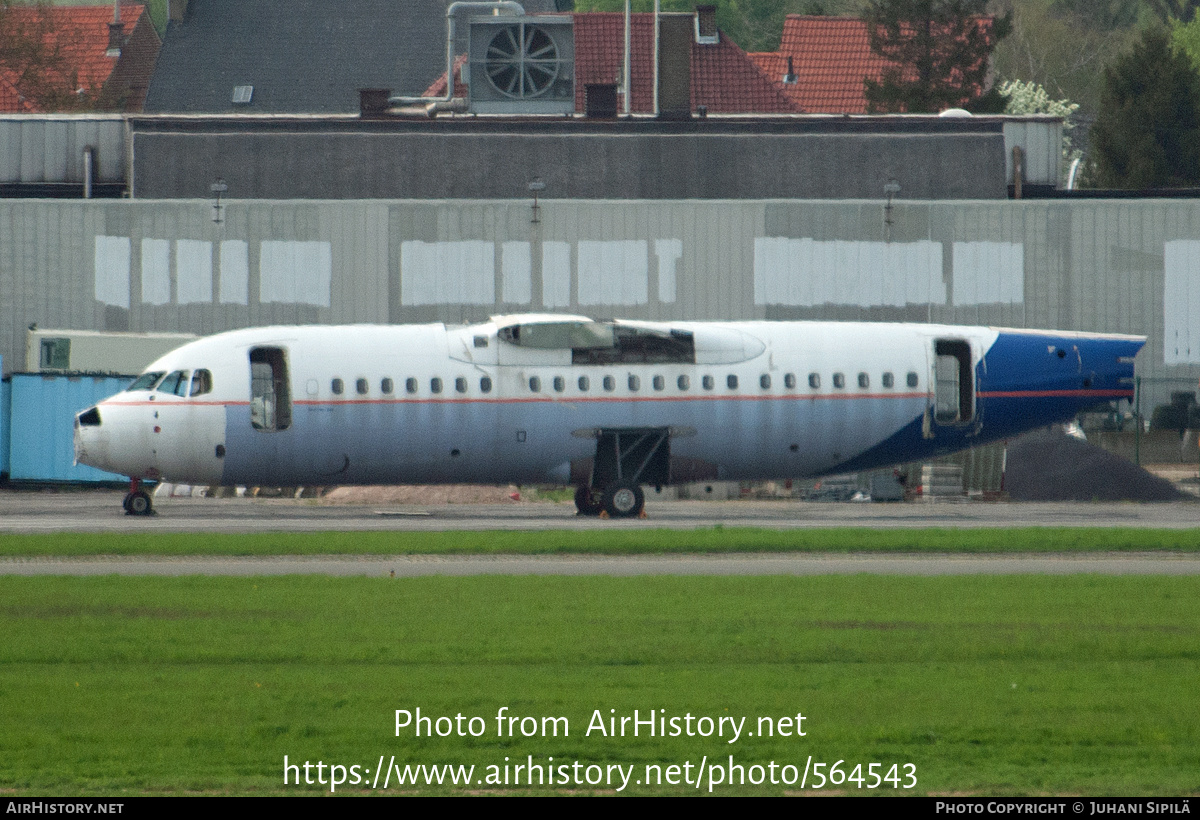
x=723 y=77
x=831 y=56
x=11 y=100
x=438 y=89
x=80 y=35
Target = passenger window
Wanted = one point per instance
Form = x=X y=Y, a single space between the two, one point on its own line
x=764 y=381
x=731 y=381
x=789 y=381
x=435 y=385
x=634 y=382
x=336 y=386
x=201 y=382
x=361 y=387
x=485 y=384
x=913 y=381
x=659 y=383
x=584 y=384
x=535 y=384
x=707 y=382
x=560 y=384
x=814 y=380
x=460 y=384
x=839 y=380
x=864 y=380
x=386 y=386
x=683 y=382
x=610 y=383
x=410 y=385
x=889 y=380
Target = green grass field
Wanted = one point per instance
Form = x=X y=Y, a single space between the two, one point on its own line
x=1080 y=685
x=608 y=542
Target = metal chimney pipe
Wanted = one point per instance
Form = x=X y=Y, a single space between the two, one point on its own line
x=480 y=5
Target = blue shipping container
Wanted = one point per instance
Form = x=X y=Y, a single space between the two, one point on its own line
x=5 y=409
x=42 y=425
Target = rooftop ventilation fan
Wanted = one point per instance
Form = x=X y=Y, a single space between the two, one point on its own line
x=522 y=65
x=522 y=61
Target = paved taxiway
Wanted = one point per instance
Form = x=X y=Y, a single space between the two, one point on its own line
x=99 y=511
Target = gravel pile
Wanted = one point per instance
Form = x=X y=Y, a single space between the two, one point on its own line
x=1052 y=466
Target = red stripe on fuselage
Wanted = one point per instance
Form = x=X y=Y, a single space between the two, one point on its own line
x=533 y=399
x=1041 y=394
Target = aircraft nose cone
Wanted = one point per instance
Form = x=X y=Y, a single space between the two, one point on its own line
x=87 y=424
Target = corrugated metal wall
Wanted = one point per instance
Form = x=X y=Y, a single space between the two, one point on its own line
x=1120 y=265
x=49 y=147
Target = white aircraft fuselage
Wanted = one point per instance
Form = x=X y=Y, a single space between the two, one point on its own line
x=565 y=399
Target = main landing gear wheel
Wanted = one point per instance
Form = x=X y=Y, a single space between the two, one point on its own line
x=138 y=503
x=588 y=501
x=624 y=500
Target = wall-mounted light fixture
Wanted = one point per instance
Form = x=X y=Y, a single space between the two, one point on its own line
x=536 y=186
x=890 y=190
x=217 y=188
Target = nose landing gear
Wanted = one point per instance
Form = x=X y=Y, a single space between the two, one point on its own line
x=137 y=500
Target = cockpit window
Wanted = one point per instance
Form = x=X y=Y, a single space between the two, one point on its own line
x=176 y=383
x=201 y=382
x=145 y=381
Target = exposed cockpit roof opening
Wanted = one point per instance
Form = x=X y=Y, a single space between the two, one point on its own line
x=633 y=345
x=558 y=335
x=593 y=342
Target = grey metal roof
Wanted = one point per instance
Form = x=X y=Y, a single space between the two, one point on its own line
x=301 y=56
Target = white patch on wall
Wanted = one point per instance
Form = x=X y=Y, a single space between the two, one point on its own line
x=193 y=271
x=516 y=273
x=1181 y=301
x=669 y=252
x=988 y=273
x=156 y=271
x=808 y=273
x=556 y=274
x=440 y=273
x=613 y=272
x=295 y=272
x=235 y=272
x=111 y=261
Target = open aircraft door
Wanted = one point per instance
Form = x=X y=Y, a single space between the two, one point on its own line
x=954 y=386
